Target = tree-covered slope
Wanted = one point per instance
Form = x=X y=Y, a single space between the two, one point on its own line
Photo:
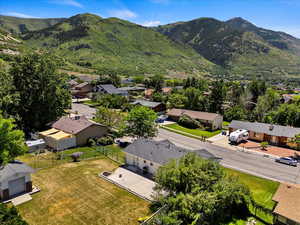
x=16 y=25
x=243 y=51
x=90 y=41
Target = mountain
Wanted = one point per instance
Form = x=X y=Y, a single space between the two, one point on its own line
x=277 y=39
x=16 y=25
x=113 y=44
x=239 y=46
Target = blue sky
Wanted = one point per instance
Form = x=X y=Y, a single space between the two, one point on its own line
x=283 y=15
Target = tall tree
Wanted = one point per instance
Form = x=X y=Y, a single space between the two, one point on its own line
x=10 y=216
x=257 y=88
x=109 y=117
x=42 y=90
x=266 y=103
x=12 y=142
x=199 y=192
x=141 y=122
x=156 y=82
x=217 y=96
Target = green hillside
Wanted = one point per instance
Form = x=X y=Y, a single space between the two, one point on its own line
x=242 y=51
x=88 y=40
x=16 y=25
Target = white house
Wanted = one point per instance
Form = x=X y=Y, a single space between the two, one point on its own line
x=148 y=155
x=15 y=179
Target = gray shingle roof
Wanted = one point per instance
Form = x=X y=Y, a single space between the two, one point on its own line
x=13 y=168
x=111 y=89
x=270 y=129
x=161 y=152
x=146 y=103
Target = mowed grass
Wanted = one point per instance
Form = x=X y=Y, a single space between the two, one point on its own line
x=196 y=132
x=73 y=194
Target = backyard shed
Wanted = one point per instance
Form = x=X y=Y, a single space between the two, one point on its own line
x=36 y=145
x=15 y=179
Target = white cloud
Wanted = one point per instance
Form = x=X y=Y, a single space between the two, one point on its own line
x=16 y=14
x=123 y=14
x=67 y=2
x=151 y=23
x=294 y=31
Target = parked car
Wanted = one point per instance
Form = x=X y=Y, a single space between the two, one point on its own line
x=161 y=119
x=287 y=160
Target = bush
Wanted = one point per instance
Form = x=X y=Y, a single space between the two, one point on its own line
x=91 y=142
x=106 y=140
x=188 y=122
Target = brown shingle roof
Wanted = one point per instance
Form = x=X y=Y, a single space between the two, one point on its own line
x=193 y=114
x=72 y=125
x=288 y=198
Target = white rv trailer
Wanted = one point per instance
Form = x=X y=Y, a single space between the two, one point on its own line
x=238 y=136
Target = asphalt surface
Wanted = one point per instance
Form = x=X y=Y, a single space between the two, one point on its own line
x=242 y=161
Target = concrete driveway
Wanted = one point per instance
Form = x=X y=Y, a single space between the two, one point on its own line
x=133 y=182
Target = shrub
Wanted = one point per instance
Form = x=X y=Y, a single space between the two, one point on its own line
x=106 y=140
x=188 y=122
x=91 y=142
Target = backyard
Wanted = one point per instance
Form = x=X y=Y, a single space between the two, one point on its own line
x=72 y=193
x=262 y=191
x=190 y=132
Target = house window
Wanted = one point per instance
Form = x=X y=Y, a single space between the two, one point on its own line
x=255 y=134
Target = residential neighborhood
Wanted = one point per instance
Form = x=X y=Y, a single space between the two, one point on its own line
x=132 y=118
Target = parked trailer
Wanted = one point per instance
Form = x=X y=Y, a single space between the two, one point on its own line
x=238 y=136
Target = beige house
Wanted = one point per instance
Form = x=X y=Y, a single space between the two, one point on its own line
x=69 y=132
x=15 y=179
x=287 y=208
x=212 y=120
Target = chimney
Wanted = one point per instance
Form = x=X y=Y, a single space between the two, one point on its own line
x=271 y=127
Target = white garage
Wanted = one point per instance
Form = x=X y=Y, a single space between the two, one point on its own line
x=15 y=179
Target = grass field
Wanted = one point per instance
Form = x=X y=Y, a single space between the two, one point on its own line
x=261 y=189
x=73 y=194
x=196 y=132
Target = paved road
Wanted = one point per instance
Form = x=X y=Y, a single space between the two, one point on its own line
x=246 y=162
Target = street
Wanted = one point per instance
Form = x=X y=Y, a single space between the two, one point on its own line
x=242 y=161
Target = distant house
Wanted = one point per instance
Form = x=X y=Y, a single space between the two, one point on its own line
x=148 y=155
x=155 y=106
x=110 y=89
x=132 y=90
x=148 y=92
x=82 y=90
x=35 y=145
x=273 y=134
x=166 y=90
x=72 y=83
x=15 y=179
x=70 y=132
x=287 y=208
x=212 y=120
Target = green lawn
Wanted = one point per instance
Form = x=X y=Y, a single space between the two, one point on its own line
x=91 y=103
x=196 y=132
x=73 y=194
x=261 y=189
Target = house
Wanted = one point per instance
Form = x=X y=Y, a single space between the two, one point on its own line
x=155 y=106
x=110 y=89
x=166 y=90
x=212 y=120
x=70 y=132
x=82 y=90
x=273 y=134
x=148 y=155
x=35 y=145
x=287 y=208
x=72 y=83
x=132 y=90
x=148 y=92
x=15 y=179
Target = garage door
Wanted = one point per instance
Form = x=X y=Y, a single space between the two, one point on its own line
x=16 y=186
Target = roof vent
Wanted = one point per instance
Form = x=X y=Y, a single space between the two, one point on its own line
x=271 y=127
x=77 y=117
